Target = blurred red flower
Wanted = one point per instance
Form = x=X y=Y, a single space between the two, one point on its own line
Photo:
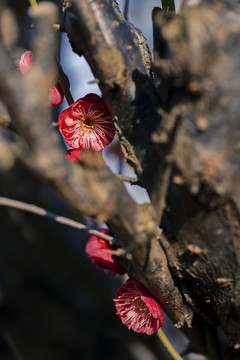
x=87 y=123
x=73 y=154
x=56 y=93
x=137 y=309
x=98 y=250
x=26 y=61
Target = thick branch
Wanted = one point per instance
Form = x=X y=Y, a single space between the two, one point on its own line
x=202 y=216
x=89 y=187
x=103 y=194
x=119 y=59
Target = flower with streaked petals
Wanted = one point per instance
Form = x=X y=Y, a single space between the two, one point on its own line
x=99 y=251
x=56 y=94
x=137 y=309
x=87 y=123
x=73 y=154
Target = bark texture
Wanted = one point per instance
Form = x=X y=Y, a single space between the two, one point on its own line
x=201 y=220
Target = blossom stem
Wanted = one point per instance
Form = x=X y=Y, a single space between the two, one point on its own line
x=33 y=3
x=168 y=346
x=64 y=85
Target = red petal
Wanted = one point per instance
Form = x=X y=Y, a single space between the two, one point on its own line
x=74 y=154
x=98 y=250
x=146 y=319
x=26 y=61
x=56 y=95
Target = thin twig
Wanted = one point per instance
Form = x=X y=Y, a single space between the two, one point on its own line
x=59 y=27
x=131 y=180
x=133 y=246
x=126 y=7
x=94 y=81
x=60 y=219
x=63 y=83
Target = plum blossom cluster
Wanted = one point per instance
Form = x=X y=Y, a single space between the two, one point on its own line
x=56 y=95
x=135 y=306
x=87 y=124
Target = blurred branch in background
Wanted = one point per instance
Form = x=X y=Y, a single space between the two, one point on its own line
x=60 y=219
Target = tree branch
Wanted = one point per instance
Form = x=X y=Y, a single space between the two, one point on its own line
x=60 y=219
x=125 y=82
x=206 y=161
x=89 y=187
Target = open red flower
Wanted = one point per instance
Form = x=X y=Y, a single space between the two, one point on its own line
x=98 y=250
x=56 y=93
x=87 y=123
x=73 y=154
x=137 y=309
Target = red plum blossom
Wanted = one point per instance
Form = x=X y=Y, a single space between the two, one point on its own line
x=99 y=250
x=137 y=309
x=87 y=123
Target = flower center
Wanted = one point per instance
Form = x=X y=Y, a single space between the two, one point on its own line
x=88 y=122
x=140 y=304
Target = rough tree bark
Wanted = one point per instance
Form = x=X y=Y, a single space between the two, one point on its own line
x=179 y=131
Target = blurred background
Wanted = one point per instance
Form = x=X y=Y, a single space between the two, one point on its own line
x=54 y=303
